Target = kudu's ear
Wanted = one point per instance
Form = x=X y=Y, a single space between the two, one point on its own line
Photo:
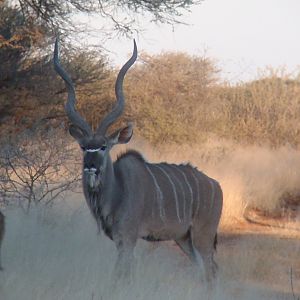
x=121 y=136
x=76 y=133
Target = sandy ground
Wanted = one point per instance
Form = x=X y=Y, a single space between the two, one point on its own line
x=259 y=261
x=56 y=254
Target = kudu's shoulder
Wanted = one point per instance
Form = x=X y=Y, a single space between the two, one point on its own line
x=130 y=162
x=129 y=155
x=130 y=167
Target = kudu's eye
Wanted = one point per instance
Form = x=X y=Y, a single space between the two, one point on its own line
x=103 y=148
x=82 y=148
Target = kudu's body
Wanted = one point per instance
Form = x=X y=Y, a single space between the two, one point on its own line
x=131 y=198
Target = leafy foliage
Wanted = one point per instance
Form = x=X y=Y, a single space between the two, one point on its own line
x=29 y=88
x=120 y=13
x=18 y=37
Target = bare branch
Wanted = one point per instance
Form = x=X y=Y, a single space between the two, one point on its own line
x=35 y=169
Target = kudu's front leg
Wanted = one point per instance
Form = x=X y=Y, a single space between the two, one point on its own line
x=124 y=267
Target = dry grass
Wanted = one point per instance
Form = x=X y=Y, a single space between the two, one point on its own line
x=261 y=112
x=260 y=260
x=56 y=254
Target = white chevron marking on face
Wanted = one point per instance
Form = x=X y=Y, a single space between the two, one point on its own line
x=92 y=150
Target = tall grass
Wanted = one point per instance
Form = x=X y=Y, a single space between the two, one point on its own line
x=55 y=253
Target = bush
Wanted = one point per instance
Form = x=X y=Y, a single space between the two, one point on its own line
x=264 y=111
x=37 y=168
x=169 y=97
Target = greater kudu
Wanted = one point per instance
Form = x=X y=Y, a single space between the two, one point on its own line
x=131 y=198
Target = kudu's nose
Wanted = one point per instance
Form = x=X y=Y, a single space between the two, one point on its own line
x=92 y=176
x=91 y=170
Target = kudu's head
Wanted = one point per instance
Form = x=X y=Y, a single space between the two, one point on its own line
x=96 y=145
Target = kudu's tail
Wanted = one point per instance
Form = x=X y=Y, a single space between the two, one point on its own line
x=216 y=242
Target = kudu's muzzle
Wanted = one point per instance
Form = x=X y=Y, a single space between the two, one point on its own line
x=92 y=176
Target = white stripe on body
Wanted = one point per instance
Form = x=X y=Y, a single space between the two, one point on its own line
x=174 y=190
x=159 y=195
x=212 y=193
x=181 y=187
x=190 y=188
x=198 y=192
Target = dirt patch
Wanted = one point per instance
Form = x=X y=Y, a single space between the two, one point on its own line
x=288 y=219
x=261 y=257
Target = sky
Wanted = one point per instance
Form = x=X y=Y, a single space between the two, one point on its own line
x=241 y=36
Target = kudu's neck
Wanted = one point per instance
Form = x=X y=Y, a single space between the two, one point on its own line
x=104 y=196
x=109 y=181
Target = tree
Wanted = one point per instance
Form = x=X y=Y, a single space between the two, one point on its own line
x=27 y=28
x=18 y=37
x=29 y=87
x=122 y=13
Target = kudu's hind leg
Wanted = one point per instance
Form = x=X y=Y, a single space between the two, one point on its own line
x=186 y=245
x=203 y=243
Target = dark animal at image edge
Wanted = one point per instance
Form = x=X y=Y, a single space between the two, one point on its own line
x=131 y=198
x=2 y=231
